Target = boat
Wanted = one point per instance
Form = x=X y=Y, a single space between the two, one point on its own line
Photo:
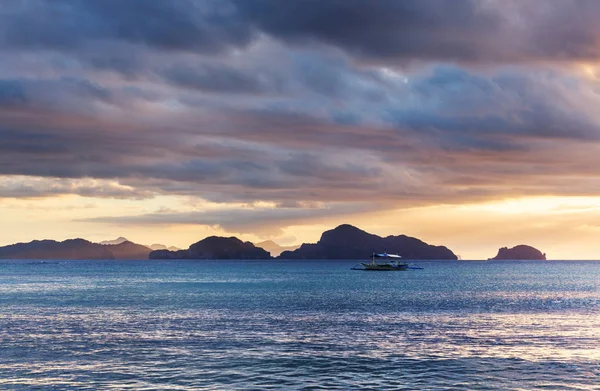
x=393 y=263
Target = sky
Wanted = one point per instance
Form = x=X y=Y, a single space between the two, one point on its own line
x=469 y=124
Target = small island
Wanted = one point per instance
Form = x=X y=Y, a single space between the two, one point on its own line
x=215 y=247
x=520 y=252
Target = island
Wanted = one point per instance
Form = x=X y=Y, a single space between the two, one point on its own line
x=215 y=247
x=51 y=249
x=520 y=252
x=73 y=249
x=349 y=242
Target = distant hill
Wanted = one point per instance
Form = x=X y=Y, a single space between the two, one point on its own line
x=520 y=252
x=51 y=249
x=349 y=242
x=215 y=247
x=129 y=250
x=118 y=240
x=274 y=248
x=121 y=240
x=157 y=246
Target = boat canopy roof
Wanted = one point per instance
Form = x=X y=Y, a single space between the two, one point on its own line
x=386 y=255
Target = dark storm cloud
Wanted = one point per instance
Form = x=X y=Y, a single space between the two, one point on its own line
x=54 y=144
x=11 y=93
x=207 y=26
x=216 y=79
x=469 y=109
x=297 y=101
x=459 y=30
x=67 y=93
x=382 y=30
x=448 y=108
x=163 y=162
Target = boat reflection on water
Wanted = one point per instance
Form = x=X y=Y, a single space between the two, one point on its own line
x=392 y=263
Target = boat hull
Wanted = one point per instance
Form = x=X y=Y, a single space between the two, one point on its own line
x=383 y=267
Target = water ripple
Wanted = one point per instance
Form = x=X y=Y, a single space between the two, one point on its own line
x=126 y=326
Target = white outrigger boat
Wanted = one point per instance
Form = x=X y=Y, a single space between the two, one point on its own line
x=393 y=263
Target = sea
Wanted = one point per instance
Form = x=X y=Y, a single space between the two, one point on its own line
x=299 y=325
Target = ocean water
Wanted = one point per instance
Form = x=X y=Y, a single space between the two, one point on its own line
x=298 y=325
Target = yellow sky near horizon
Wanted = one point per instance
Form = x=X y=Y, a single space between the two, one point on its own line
x=562 y=227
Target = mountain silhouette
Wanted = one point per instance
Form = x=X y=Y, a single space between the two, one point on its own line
x=157 y=246
x=73 y=249
x=118 y=240
x=349 y=242
x=51 y=249
x=129 y=250
x=215 y=247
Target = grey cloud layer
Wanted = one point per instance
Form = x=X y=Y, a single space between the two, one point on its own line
x=208 y=25
x=396 y=102
x=462 y=30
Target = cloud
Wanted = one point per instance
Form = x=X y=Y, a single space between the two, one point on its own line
x=516 y=102
x=66 y=92
x=31 y=187
x=248 y=220
x=432 y=136
x=207 y=26
x=435 y=30
x=293 y=102
x=217 y=79
x=381 y=29
x=392 y=32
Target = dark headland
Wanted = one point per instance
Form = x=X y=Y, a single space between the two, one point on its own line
x=349 y=242
x=520 y=252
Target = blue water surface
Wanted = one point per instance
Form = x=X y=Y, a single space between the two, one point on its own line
x=295 y=325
